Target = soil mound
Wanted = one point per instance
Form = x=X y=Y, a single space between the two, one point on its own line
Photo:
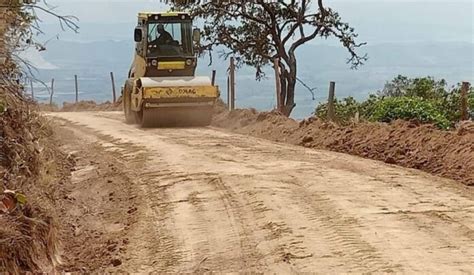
x=90 y=106
x=445 y=153
x=81 y=106
x=28 y=239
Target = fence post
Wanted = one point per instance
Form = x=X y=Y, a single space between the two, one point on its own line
x=464 y=109
x=32 y=89
x=213 y=79
x=77 y=88
x=276 y=65
x=52 y=93
x=232 y=84
x=113 y=87
x=228 y=92
x=332 y=90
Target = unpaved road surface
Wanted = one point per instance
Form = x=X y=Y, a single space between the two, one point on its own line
x=209 y=200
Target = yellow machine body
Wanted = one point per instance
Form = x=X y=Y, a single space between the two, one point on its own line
x=162 y=88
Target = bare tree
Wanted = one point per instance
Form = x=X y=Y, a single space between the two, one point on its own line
x=21 y=23
x=256 y=32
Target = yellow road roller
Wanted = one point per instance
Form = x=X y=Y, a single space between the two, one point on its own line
x=162 y=89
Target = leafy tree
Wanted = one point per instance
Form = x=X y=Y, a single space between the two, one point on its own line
x=424 y=87
x=397 y=87
x=257 y=32
x=427 y=88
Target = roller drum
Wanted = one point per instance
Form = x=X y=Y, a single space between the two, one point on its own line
x=175 y=117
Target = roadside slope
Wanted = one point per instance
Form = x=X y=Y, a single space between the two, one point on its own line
x=214 y=201
x=445 y=153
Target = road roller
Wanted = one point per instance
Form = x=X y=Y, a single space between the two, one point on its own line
x=162 y=88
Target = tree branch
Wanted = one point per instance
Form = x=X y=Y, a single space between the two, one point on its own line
x=311 y=90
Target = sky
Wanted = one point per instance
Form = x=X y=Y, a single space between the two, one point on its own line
x=381 y=21
x=117 y=10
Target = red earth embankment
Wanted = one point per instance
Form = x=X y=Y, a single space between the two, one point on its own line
x=445 y=153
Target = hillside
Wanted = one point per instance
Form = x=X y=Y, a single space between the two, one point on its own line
x=93 y=61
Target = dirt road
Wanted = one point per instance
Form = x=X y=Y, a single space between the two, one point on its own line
x=214 y=201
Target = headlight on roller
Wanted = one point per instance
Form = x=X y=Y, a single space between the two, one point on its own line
x=154 y=63
x=189 y=62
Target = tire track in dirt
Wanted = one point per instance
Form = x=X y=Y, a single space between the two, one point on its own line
x=340 y=231
x=219 y=202
x=172 y=194
x=153 y=240
x=234 y=210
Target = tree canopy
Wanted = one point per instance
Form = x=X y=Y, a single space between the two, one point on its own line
x=257 y=32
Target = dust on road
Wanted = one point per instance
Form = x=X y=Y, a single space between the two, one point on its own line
x=221 y=202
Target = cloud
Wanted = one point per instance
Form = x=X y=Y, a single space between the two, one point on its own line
x=34 y=58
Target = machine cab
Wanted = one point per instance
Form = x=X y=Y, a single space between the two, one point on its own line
x=166 y=42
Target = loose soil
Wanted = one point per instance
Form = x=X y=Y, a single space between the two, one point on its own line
x=409 y=144
x=116 y=198
x=446 y=153
x=198 y=200
x=96 y=203
x=79 y=202
x=82 y=106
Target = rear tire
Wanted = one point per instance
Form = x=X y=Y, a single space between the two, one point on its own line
x=127 y=105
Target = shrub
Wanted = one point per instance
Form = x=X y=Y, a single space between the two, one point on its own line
x=424 y=99
x=451 y=103
x=344 y=109
x=409 y=108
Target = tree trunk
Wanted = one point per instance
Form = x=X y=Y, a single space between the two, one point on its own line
x=283 y=90
x=288 y=84
x=289 y=102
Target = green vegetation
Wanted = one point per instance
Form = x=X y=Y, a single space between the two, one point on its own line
x=425 y=100
x=409 y=108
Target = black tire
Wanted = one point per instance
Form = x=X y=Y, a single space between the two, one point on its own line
x=127 y=105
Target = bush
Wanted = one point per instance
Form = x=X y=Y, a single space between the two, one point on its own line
x=451 y=103
x=424 y=99
x=344 y=109
x=409 y=108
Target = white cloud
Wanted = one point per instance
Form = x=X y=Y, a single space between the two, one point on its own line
x=34 y=58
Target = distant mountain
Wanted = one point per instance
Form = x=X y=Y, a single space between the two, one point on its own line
x=318 y=64
x=414 y=38
x=377 y=21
